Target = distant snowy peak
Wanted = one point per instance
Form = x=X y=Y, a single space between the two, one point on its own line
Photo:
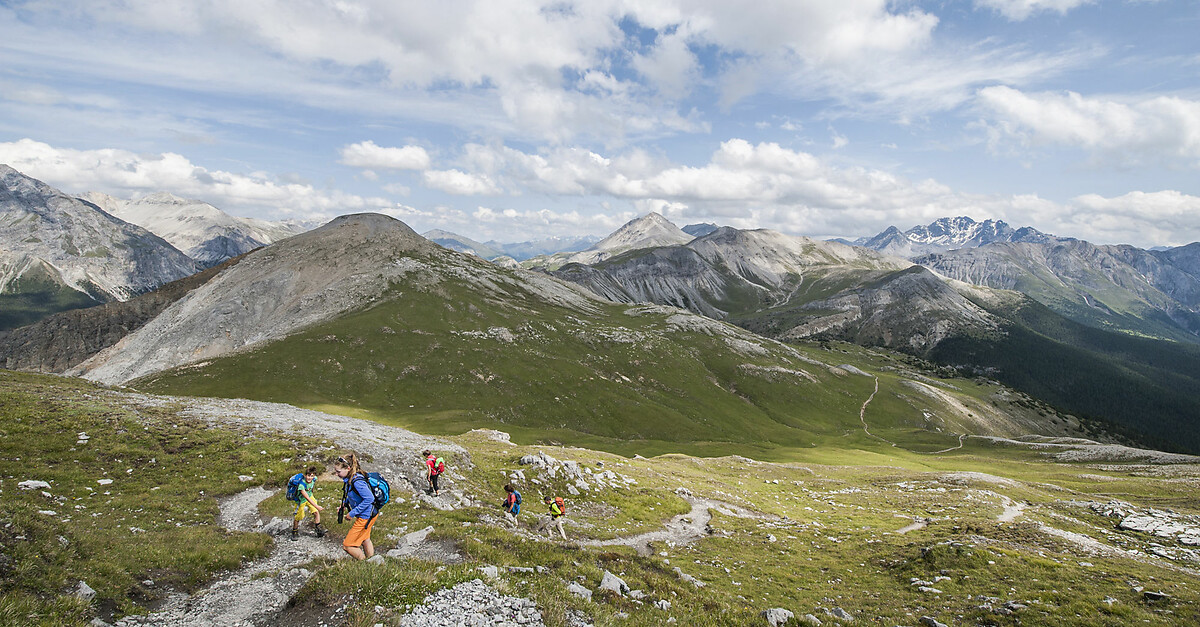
x=949 y=234
x=202 y=231
x=648 y=231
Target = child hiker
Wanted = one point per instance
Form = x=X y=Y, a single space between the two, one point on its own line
x=300 y=491
x=554 y=521
x=359 y=505
x=512 y=505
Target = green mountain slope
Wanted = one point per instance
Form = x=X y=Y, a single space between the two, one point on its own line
x=1149 y=388
x=455 y=343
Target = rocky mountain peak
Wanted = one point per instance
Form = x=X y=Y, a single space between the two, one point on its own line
x=55 y=244
x=647 y=231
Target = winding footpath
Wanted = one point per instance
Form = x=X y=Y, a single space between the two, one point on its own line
x=254 y=595
x=682 y=529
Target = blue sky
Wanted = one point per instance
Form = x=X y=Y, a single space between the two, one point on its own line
x=514 y=120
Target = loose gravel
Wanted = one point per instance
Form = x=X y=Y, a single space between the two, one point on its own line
x=472 y=604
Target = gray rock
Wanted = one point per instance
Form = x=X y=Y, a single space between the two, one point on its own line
x=688 y=578
x=930 y=621
x=85 y=592
x=614 y=583
x=1155 y=596
x=841 y=614
x=579 y=591
x=490 y=571
x=410 y=543
x=663 y=605
x=776 y=616
x=809 y=619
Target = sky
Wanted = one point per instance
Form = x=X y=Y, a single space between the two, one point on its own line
x=514 y=120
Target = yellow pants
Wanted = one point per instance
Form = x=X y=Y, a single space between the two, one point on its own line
x=303 y=508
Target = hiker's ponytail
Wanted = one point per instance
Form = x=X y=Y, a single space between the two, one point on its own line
x=349 y=460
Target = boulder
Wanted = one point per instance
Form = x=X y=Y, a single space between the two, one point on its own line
x=579 y=591
x=614 y=583
x=776 y=616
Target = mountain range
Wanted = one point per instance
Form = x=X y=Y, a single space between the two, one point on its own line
x=58 y=252
x=946 y=234
x=201 y=231
x=517 y=251
x=266 y=312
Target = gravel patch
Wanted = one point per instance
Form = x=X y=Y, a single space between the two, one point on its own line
x=472 y=604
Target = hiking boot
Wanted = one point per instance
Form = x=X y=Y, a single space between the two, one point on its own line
x=295 y=535
x=320 y=531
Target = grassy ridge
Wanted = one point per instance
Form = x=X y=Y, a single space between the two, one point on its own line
x=451 y=361
x=1148 y=389
x=154 y=521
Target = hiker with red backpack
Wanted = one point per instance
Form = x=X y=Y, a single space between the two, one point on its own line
x=300 y=491
x=434 y=467
x=558 y=509
x=362 y=495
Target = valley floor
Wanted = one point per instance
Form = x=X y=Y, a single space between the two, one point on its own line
x=996 y=532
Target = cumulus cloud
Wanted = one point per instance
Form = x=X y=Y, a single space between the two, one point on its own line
x=766 y=185
x=368 y=155
x=1158 y=129
x=125 y=173
x=460 y=183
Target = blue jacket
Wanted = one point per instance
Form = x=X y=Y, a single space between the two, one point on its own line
x=359 y=497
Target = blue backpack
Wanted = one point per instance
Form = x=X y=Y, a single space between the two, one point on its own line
x=293 y=487
x=379 y=489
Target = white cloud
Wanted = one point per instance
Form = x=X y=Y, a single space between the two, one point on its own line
x=1161 y=129
x=124 y=173
x=368 y=155
x=548 y=63
x=1018 y=10
x=766 y=185
x=1142 y=218
x=460 y=183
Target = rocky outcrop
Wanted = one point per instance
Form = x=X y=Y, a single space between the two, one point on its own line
x=472 y=603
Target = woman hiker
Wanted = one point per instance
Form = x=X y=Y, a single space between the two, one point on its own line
x=359 y=504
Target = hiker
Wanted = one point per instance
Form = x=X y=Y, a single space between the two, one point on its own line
x=512 y=505
x=554 y=521
x=358 y=503
x=300 y=492
x=434 y=467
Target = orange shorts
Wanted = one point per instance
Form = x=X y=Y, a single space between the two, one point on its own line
x=359 y=532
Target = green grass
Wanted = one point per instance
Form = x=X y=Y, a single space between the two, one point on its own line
x=154 y=521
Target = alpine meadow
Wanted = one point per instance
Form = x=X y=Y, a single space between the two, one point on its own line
x=559 y=314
